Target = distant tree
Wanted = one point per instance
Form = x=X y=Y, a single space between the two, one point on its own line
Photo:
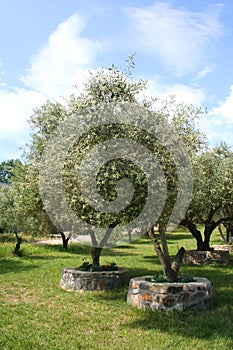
x=212 y=202
x=21 y=209
x=31 y=218
x=227 y=236
x=7 y=170
x=184 y=118
x=7 y=222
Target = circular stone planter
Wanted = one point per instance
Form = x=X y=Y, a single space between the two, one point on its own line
x=196 y=257
x=168 y=296
x=74 y=279
x=224 y=247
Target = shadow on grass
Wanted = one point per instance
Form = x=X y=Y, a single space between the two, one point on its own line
x=207 y=324
x=136 y=272
x=7 y=239
x=79 y=249
x=215 y=321
x=212 y=323
x=172 y=238
x=38 y=257
x=73 y=248
x=15 y=265
x=178 y=236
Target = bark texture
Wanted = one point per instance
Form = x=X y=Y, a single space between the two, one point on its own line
x=171 y=270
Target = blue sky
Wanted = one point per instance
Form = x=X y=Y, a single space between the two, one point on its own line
x=47 y=47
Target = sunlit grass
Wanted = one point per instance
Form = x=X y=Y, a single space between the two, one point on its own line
x=37 y=314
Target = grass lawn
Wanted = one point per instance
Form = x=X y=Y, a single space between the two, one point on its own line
x=36 y=314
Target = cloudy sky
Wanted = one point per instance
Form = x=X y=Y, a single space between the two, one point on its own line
x=47 y=46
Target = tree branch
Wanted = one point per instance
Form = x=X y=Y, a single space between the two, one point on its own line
x=178 y=259
x=157 y=248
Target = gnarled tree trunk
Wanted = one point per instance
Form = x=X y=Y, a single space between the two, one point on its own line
x=195 y=233
x=65 y=239
x=171 y=270
x=95 y=255
x=229 y=232
x=223 y=238
x=210 y=226
x=97 y=247
x=17 y=251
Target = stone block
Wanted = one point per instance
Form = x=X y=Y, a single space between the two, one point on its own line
x=72 y=278
x=146 y=296
x=181 y=296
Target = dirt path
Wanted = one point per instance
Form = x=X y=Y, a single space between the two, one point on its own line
x=56 y=241
x=53 y=241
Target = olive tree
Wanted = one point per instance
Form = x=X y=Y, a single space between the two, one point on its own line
x=21 y=208
x=184 y=118
x=103 y=89
x=7 y=169
x=6 y=209
x=160 y=140
x=212 y=201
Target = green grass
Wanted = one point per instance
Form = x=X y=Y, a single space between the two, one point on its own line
x=36 y=314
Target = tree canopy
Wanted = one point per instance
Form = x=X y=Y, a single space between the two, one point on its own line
x=108 y=113
x=7 y=169
x=212 y=200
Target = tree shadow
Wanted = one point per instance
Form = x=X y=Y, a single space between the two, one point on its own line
x=207 y=324
x=120 y=293
x=116 y=252
x=142 y=240
x=73 y=248
x=174 y=238
x=45 y=257
x=16 y=265
x=81 y=249
x=110 y=297
x=214 y=321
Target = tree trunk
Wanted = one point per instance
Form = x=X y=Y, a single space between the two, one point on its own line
x=170 y=270
x=178 y=259
x=195 y=232
x=65 y=240
x=17 y=251
x=163 y=239
x=221 y=233
x=207 y=233
x=229 y=231
x=97 y=248
x=210 y=226
x=95 y=254
x=157 y=248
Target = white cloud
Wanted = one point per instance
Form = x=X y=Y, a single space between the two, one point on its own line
x=62 y=60
x=183 y=93
x=16 y=107
x=218 y=123
x=179 y=37
x=2 y=73
x=204 y=71
x=224 y=110
x=58 y=66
